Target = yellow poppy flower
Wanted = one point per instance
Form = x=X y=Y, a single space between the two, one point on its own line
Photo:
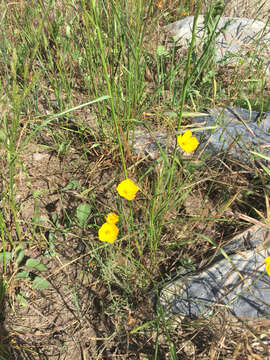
x=112 y=218
x=267 y=267
x=127 y=189
x=108 y=232
x=187 y=142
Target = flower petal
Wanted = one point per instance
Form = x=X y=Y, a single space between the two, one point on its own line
x=112 y=218
x=267 y=268
x=192 y=144
x=187 y=134
x=108 y=232
x=187 y=142
x=127 y=189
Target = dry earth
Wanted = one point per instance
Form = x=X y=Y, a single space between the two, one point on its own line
x=68 y=321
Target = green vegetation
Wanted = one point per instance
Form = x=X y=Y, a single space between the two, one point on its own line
x=78 y=78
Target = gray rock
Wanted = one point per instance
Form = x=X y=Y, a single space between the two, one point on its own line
x=236 y=281
x=238 y=131
x=248 y=8
x=148 y=144
x=239 y=36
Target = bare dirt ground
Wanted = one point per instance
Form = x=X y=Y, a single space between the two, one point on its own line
x=68 y=320
x=80 y=316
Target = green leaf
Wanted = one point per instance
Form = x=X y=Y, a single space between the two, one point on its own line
x=40 y=283
x=33 y=263
x=82 y=213
x=266 y=169
x=55 y=219
x=22 y=298
x=74 y=184
x=3 y=136
x=7 y=256
x=173 y=352
x=22 y=275
x=140 y=327
x=162 y=51
x=37 y=193
x=260 y=155
x=19 y=254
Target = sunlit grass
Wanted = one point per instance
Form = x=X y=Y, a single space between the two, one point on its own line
x=77 y=79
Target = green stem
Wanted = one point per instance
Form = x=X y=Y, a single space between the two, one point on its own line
x=184 y=92
x=107 y=78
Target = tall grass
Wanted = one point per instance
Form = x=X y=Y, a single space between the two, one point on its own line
x=59 y=58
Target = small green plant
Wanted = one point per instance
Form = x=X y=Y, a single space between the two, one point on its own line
x=25 y=268
x=82 y=213
x=54 y=56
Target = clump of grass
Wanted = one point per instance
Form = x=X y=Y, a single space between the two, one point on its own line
x=58 y=62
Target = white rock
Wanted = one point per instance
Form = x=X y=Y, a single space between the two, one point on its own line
x=240 y=36
x=37 y=156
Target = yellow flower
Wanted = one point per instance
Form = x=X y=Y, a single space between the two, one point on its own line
x=127 y=189
x=267 y=267
x=159 y=4
x=187 y=142
x=112 y=218
x=108 y=232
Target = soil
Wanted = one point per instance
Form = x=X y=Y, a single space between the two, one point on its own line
x=80 y=316
x=70 y=319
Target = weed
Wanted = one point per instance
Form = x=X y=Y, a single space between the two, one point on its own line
x=78 y=79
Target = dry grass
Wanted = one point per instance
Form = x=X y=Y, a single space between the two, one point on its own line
x=99 y=303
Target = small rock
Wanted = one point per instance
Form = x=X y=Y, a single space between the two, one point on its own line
x=39 y=156
x=149 y=144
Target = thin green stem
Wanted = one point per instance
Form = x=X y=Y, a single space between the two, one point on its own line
x=184 y=92
x=108 y=83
